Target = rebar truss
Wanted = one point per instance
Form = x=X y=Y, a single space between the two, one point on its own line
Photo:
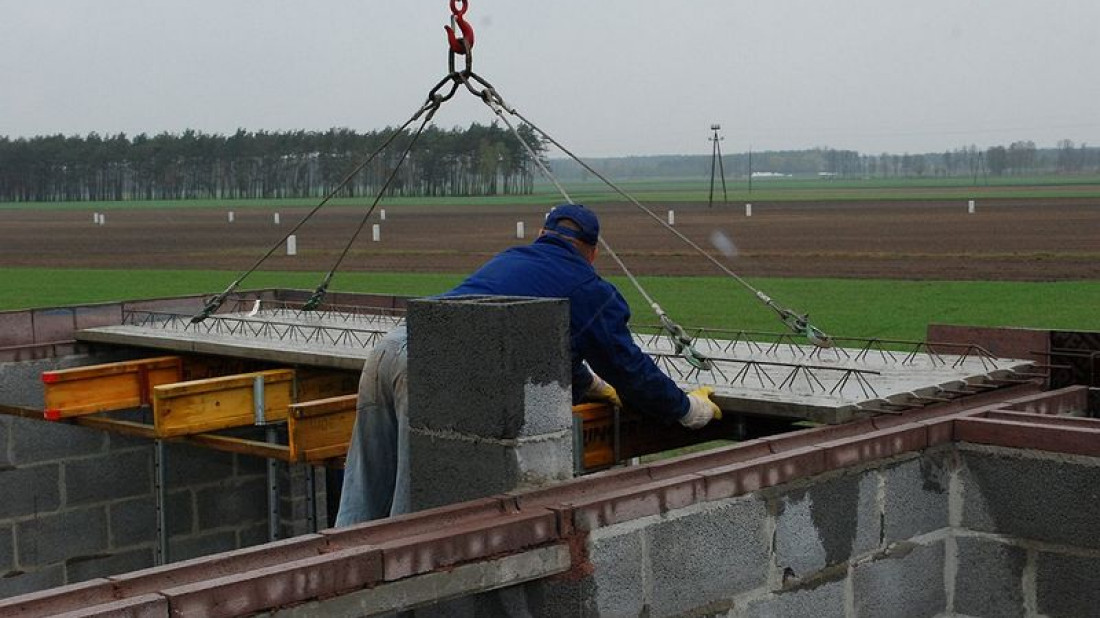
x=237 y=326
x=867 y=350
x=750 y=371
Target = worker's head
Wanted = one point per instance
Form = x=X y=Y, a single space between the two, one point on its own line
x=576 y=224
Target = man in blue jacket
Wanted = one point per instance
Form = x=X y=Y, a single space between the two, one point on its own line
x=557 y=265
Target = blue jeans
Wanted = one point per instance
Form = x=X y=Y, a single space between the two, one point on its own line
x=376 y=476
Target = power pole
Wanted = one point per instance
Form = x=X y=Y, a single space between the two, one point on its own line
x=716 y=155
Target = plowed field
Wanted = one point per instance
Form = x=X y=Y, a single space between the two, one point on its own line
x=1037 y=240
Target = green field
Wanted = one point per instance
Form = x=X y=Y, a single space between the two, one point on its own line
x=852 y=307
x=682 y=190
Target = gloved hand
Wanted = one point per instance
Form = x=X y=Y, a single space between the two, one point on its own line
x=602 y=391
x=702 y=408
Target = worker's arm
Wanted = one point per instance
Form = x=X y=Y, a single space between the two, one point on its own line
x=606 y=343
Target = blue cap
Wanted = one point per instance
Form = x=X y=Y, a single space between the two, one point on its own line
x=585 y=219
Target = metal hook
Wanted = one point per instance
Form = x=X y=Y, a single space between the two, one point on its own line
x=466 y=43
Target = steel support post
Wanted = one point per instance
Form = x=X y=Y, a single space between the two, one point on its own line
x=160 y=554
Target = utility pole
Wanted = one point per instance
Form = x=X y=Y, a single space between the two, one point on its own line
x=750 y=170
x=716 y=155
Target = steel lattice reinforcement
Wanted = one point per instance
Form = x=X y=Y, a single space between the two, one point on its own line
x=751 y=372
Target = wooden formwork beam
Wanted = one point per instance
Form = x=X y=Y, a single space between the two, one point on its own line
x=107 y=387
x=198 y=406
x=321 y=429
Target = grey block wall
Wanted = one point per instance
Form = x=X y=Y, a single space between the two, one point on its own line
x=489 y=387
x=79 y=503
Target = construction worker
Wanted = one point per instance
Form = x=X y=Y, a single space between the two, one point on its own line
x=558 y=264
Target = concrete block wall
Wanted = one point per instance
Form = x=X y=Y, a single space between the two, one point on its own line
x=953 y=530
x=489 y=386
x=79 y=503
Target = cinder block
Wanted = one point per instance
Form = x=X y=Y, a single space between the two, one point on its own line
x=702 y=559
x=232 y=504
x=827 y=524
x=619 y=575
x=1066 y=585
x=250 y=466
x=495 y=367
x=30 y=491
x=485 y=468
x=551 y=597
x=5 y=451
x=7 y=549
x=16 y=328
x=80 y=569
x=133 y=522
x=185 y=548
x=916 y=496
x=989 y=579
x=906 y=582
x=53 y=324
x=36 y=441
x=186 y=465
x=98 y=315
x=812 y=601
x=1028 y=498
x=54 y=538
x=110 y=477
x=32 y=581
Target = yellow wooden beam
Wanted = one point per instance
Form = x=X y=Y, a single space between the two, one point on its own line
x=102 y=388
x=187 y=408
x=321 y=429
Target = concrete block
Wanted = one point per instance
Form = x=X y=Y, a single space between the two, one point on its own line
x=1027 y=498
x=133 y=522
x=569 y=594
x=36 y=441
x=232 y=504
x=120 y=441
x=32 y=581
x=258 y=534
x=80 y=569
x=812 y=601
x=98 y=315
x=494 y=367
x=906 y=582
x=69 y=534
x=827 y=523
x=250 y=466
x=185 y=548
x=30 y=491
x=7 y=550
x=619 y=575
x=16 y=328
x=53 y=324
x=186 y=465
x=1066 y=585
x=485 y=468
x=110 y=477
x=916 y=496
x=989 y=578
x=702 y=559
x=5 y=451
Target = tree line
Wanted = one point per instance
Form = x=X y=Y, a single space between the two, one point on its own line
x=1021 y=158
x=475 y=161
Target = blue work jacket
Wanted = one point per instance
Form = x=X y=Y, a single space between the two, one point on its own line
x=553 y=268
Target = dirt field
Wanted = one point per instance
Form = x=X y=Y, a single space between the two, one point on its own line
x=1005 y=239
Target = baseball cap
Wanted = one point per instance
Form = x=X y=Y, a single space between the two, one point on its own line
x=585 y=219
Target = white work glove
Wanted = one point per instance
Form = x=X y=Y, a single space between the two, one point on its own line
x=600 y=390
x=702 y=409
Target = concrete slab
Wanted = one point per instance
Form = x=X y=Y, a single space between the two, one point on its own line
x=788 y=380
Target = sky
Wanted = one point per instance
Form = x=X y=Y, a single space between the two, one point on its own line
x=603 y=77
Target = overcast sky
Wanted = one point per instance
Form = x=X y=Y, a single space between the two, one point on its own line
x=605 y=77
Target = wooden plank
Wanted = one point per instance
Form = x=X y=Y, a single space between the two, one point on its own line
x=321 y=429
x=194 y=407
x=110 y=386
x=315 y=384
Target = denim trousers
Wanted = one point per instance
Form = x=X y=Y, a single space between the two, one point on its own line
x=376 y=475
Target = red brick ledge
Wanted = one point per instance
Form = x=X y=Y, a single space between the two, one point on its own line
x=339 y=561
